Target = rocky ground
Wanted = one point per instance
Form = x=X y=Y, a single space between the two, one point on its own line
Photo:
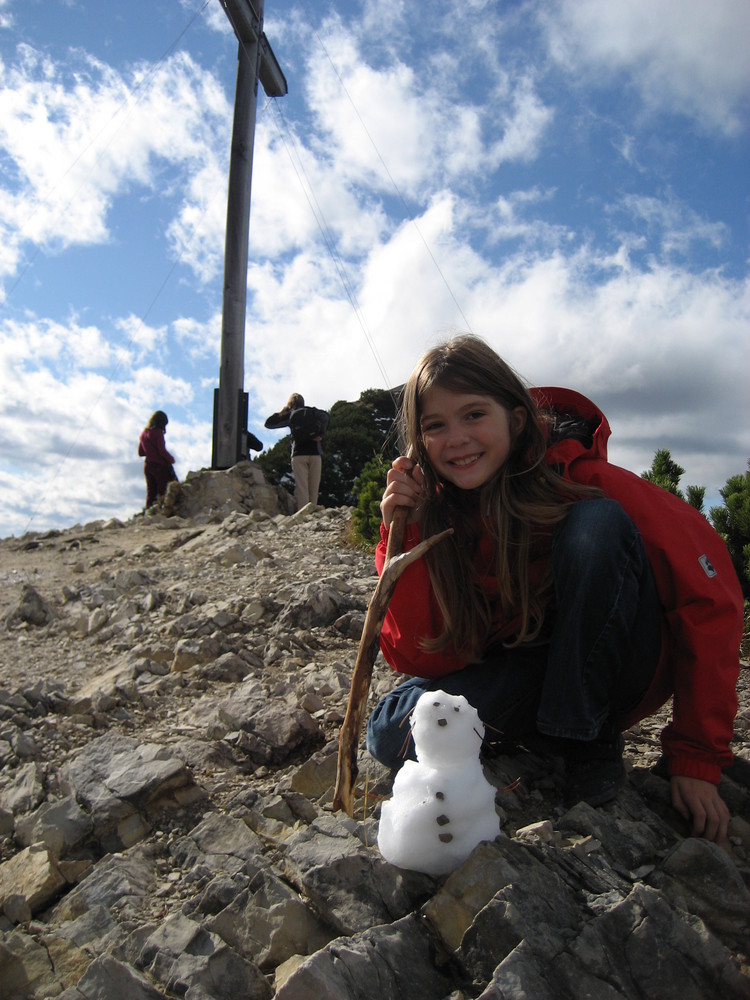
x=171 y=695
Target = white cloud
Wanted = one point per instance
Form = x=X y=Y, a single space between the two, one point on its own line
x=42 y=341
x=197 y=232
x=394 y=128
x=149 y=388
x=684 y=56
x=679 y=227
x=307 y=198
x=78 y=136
x=142 y=336
x=200 y=338
x=6 y=16
x=516 y=216
x=524 y=127
x=361 y=111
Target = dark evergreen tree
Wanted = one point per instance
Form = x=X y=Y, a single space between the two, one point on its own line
x=665 y=472
x=732 y=521
x=695 y=497
x=357 y=433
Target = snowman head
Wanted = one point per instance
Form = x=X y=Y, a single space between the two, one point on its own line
x=446 y=729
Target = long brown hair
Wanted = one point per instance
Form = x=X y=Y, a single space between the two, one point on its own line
x=524 y=500
x=158 y=419
x=295 y=402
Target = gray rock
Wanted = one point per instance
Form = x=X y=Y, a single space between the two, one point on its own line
x=273 y=730
x=106 y=979
x=348 y=881
x=195 y=963
x=117 y=780
x=694 y=875
x=644 y=944
x=60 y=825
x=32 y=609
x=316 y=605
x=382 y=963
x=531 y=902
x=25 y=791
x=269 y=921
x=25 y=965
x=220 y=843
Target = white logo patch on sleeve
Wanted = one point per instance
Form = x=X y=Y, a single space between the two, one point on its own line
x=706 y=565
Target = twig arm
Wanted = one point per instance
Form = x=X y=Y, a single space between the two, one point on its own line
x=395 y=564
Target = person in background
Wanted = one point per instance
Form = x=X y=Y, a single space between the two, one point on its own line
x=252 y=443
x=573 y=597
x=307 y=425
x=159 y=465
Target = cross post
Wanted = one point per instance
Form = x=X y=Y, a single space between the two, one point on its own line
x=255 y=61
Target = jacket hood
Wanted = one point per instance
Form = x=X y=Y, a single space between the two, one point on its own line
x=567 y=403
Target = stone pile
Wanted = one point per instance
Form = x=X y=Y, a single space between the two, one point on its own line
x=172 y=691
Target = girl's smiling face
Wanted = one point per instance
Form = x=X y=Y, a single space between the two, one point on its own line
x=468 y=437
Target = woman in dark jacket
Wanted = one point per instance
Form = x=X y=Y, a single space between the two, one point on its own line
x=159 y=465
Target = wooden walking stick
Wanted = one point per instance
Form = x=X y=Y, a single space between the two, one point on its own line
x=396 y=562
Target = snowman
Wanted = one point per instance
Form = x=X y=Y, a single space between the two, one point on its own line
x=442 y=805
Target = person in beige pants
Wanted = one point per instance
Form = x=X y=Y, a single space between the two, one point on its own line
x=308 y=426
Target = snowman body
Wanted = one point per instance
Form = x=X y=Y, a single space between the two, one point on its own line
x=442 y=805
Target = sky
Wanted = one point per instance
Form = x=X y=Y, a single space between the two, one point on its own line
x=567 y=179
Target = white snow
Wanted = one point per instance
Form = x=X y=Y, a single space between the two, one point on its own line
x=442 y=805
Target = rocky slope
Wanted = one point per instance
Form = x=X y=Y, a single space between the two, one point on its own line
x=172 y=691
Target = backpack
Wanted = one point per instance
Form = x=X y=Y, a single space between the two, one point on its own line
x=307 y=423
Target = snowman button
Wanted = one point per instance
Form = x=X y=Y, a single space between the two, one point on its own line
x=442 y=820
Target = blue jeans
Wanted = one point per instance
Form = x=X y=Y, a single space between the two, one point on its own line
x=594 y=665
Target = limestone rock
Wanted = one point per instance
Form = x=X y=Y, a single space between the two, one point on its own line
x=29 y=881
x=32 y=609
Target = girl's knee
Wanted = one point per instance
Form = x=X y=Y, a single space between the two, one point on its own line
x=384 y=743
x=388 y=730
x=590 y=527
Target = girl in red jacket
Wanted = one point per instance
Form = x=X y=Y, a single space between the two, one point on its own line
x=572 y=599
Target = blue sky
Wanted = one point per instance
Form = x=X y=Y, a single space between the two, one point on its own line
x=566 y=178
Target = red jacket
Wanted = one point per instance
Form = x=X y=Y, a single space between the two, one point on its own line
x=151 y=447
x=697 y=585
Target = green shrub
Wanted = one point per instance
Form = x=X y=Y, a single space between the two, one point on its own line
x=368 y=492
